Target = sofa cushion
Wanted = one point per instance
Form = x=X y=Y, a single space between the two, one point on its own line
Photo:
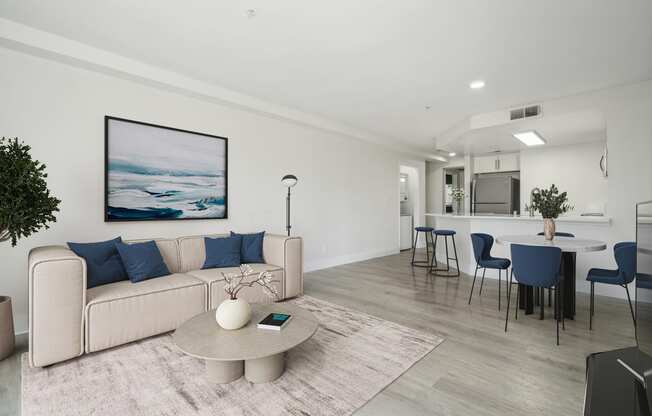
x=222 y=252
x=103 y=264
x=254 y=294
x=142 y=261
x=122 y=312
x=252 y=247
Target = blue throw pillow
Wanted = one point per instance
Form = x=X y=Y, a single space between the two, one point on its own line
x=142 y=261
x=222 y=252
x=103 y=264
x=252 y=247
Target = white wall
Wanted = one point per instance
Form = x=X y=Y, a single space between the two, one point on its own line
x=345 y=205
x=572 y=168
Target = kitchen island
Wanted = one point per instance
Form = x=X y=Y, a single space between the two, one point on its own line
x=588 y=227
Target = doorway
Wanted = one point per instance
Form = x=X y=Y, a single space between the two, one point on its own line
x=453 y=187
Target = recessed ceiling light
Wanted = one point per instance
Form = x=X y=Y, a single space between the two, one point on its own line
x=250 y=13
x=428 y=107
x=452 y=154
x=477 y=84
x=530 y=138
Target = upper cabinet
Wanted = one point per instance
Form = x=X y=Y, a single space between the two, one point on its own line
x=501 y=162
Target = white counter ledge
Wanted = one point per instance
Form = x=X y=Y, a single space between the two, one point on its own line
x=569 y=218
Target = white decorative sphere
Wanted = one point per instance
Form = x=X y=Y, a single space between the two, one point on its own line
x=233 y=314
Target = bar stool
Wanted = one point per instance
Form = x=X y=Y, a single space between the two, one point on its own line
x=433 y=261
x=428 y=232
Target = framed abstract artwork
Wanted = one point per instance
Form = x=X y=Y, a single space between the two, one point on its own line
x=161 y=173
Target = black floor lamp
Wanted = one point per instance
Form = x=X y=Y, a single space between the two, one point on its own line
x=289 y=181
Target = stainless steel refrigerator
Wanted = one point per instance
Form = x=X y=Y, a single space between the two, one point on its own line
x=496 y=194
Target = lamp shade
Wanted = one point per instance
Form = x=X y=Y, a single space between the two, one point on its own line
x=289 y=180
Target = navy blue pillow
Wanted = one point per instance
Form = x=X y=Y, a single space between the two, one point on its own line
x=142 y=261
x=222 y=252
x=252 y=247
x=103 y=264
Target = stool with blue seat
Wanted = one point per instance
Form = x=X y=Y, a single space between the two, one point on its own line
x=428 y=232
x=482 y=244
x=625 y=255
x=536 y=266
x=433 y=261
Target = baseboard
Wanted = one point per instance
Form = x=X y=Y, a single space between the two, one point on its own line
x=346 y=259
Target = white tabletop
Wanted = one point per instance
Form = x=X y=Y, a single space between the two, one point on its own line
x=567 y=244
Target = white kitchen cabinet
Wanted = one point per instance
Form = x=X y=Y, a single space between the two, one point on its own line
x=507 y=162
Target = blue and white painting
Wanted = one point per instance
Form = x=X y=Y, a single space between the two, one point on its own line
x=157 y=173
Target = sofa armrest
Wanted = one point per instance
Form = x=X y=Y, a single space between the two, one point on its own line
x=57 y=297
x=286 y=252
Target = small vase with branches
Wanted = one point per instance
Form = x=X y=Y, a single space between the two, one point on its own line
x=551 y=204
x=235 y=312
x=458 y=196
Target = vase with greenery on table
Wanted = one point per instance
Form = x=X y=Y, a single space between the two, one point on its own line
x=26 y=206
x=550 y=204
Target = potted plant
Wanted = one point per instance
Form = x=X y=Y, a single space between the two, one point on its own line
x=458 y=196
x=235 y=312
x=26 y=206
x=550 y=203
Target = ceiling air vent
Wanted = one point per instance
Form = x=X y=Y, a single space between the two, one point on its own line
x=525 y=112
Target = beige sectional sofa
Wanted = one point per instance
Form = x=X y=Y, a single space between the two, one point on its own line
x=67 y=320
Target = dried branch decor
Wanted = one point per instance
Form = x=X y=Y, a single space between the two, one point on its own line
x=247 y=277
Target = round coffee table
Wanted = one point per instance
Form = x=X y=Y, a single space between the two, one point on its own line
x=256 y=353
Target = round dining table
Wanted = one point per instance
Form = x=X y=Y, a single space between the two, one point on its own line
x=569 y=246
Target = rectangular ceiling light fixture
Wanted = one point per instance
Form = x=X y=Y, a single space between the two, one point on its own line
x=530 y=138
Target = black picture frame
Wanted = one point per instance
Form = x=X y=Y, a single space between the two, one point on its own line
x=108 y=218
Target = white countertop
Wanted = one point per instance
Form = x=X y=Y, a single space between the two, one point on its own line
x=569 y=218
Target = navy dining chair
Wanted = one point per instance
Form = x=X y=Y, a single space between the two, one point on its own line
x=482 y=244
x=557 y=234
x=625 y=255
x=536 y=266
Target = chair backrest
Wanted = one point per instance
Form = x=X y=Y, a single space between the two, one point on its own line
x=536 y=265
x=625 y=254
x=482 y=244
x=560 y=234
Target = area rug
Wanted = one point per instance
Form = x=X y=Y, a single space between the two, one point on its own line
x=350 y=359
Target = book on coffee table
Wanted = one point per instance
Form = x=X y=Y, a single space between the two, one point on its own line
x=275 y=321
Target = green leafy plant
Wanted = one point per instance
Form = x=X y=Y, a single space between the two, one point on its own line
x=550 y=203
x=26 y=205
x=457 y=194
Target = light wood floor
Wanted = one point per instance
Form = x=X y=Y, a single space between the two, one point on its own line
x=479 y=369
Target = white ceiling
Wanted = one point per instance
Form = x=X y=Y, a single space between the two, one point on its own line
x=372 y=64
x=562 y=129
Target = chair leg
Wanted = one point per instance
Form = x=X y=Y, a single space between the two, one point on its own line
x=509 y=292
x=541 y=302
x=414 y=246
x=499 y=286
x=518 y=291
x=448 y=267
x=482 y=281
x=427 y=249
x=592 y=306
x=473 y=284
x=549 y=297
x=629 y=299
x=433 y=259
x=557 y=300
x=457 y=263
